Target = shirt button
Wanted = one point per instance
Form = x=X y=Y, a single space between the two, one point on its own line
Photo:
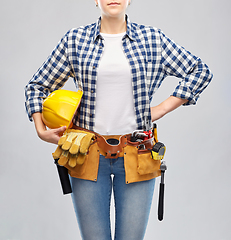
x=92 y=91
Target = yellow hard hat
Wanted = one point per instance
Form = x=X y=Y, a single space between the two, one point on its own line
x=59 y=108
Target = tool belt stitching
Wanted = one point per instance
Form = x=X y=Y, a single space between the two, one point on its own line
x=115 y=151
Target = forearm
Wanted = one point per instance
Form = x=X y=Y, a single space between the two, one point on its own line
x=166 y=106
x=39 y=125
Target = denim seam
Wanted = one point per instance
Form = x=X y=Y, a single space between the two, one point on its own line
x=109 y=205
x=115 y=211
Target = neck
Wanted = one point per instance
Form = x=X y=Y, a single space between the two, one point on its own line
x=113 y=25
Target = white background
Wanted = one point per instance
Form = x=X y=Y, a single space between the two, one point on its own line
x=197 y=191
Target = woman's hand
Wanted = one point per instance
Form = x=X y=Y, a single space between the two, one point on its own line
x=166 y=106
x=47 y=135
x=51 y=135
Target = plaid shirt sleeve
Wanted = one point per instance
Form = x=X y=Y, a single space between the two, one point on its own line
x=194 y=74
x=51 y=76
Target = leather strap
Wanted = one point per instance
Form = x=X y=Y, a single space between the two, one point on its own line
x=115 y=151
x=112 y=151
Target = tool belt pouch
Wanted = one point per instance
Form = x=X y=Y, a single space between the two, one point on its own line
x=89 y=169
x=146 y=164
x=139 y=165
x=78 y=151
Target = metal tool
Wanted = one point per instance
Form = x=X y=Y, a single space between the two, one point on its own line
x=163 y=168
x=142 y=135
x=138 y=136
x=147 y=128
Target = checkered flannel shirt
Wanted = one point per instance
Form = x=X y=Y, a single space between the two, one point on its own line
x=152 y=57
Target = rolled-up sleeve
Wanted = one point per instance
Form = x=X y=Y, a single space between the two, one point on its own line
x=193 y=73
x=51 y=76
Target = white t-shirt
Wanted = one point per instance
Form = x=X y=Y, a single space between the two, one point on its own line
x=115 y=111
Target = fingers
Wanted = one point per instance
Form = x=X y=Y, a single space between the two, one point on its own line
x=57 y=153
x=85 y=143
x=81 y=158
x=63 y=158
x=60 y=131
x=70 y=138
x=62 y=140
x=73 y=160
x=76 y=144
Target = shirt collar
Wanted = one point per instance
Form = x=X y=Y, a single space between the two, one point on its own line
x=130 y=31
x=97 y=29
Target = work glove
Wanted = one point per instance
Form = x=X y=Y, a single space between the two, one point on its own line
x=73 y=147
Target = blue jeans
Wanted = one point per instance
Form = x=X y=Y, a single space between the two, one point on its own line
x=92 y=203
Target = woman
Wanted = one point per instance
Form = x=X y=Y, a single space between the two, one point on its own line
x=118 y=65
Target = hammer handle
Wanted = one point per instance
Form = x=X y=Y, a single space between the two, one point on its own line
x=161 y=202
x=64 y=179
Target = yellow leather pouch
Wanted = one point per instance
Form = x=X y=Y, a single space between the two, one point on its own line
x=139 y=166
x=89 y=169
x=146 y=164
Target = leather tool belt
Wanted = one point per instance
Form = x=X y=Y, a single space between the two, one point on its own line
x=138 y=163
x=111 y=146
